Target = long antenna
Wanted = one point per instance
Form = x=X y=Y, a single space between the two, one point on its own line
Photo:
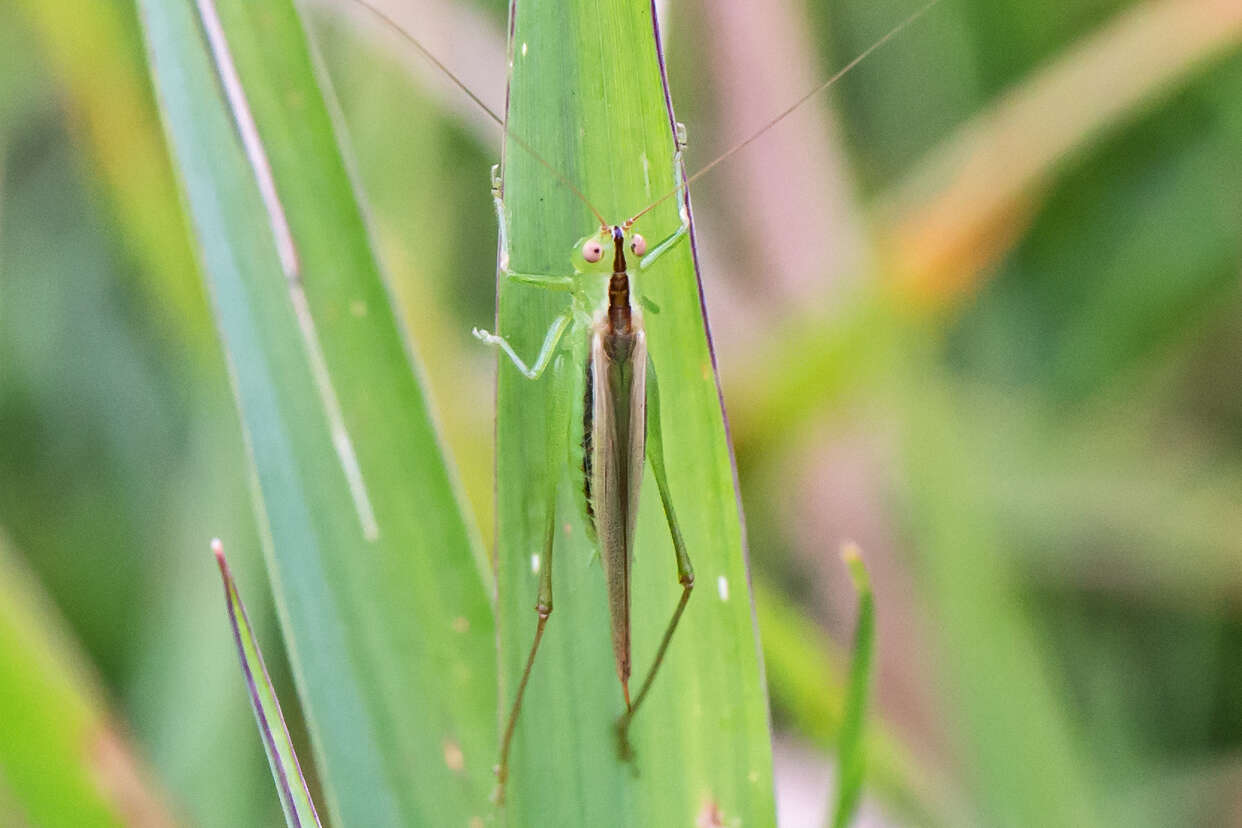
x=504 y=128
x=729 y=153
x=789 y=110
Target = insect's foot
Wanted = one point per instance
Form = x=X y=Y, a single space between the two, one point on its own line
x=497 y=182
x=625 y=751
x=484 y=337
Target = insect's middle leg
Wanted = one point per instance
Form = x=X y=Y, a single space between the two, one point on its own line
x=546 y=351
x=545 y=281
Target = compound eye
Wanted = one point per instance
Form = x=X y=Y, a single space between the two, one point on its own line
x=638 y=244
x=592 y=251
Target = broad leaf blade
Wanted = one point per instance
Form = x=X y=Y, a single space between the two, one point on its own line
x=587 y=93
x=295 y=798
x=388 y=625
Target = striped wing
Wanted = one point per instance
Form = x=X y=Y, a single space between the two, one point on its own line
x=616 y=445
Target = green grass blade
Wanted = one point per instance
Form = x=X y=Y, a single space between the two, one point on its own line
x=851 y=753
x=1029 y=765
x=295 y=798
x=159 y=463
x=808 y=680
x=385 y=614
x=62 y=761
x=587 y=93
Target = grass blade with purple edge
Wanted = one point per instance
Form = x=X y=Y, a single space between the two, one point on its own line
x=295 y=798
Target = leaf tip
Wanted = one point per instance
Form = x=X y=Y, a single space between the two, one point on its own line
x=217 y=549
x=851 y=556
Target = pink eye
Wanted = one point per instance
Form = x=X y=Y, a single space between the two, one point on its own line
x=592 y=251
x=638 y=244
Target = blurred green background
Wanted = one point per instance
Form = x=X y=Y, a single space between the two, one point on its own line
x=976 y=309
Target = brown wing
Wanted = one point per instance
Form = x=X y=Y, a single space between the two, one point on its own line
x=617 y=442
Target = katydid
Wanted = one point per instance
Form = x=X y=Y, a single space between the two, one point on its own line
x=599 y=340
x=620 y=418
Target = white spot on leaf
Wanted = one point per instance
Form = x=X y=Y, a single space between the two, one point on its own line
x=534 y=564
x=722 y=587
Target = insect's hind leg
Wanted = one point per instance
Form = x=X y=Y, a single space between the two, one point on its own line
x=685 y=570
x=558 y=414
x=543 y=606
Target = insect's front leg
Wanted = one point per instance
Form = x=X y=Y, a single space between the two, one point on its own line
x=683 y=229
x=541 y=280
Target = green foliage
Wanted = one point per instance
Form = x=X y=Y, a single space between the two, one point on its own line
x=120 y=451
x=1040 y=458
x=382 y=603
x=58 y=751
x=851 y=754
